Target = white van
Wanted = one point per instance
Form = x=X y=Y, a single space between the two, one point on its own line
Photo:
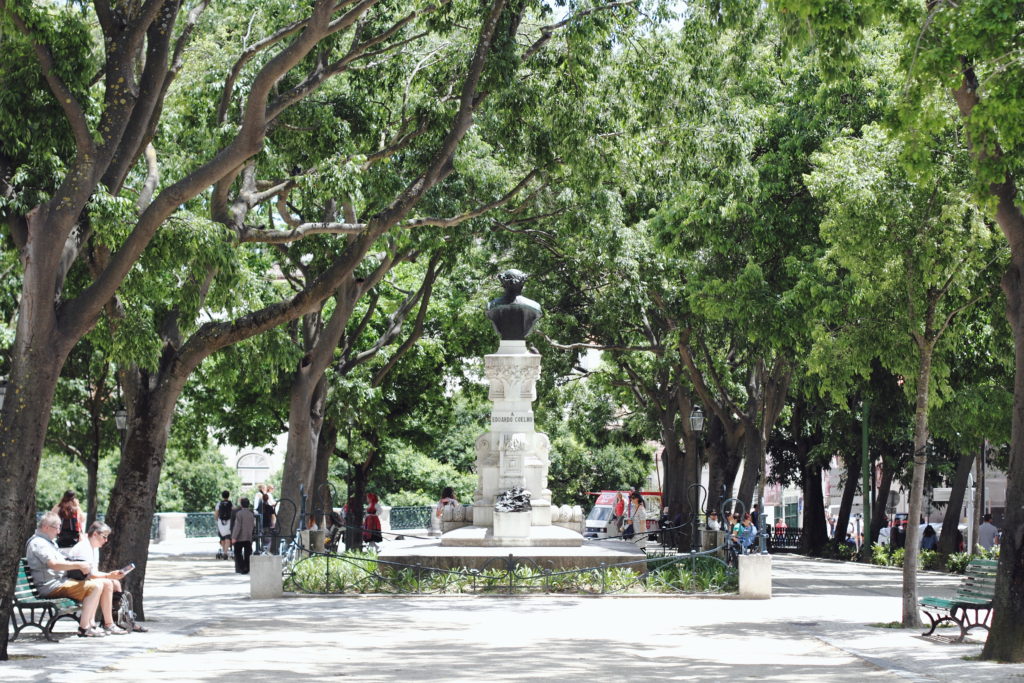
x=596 y=525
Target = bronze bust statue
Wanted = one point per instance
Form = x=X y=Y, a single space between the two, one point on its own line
x=512 y=314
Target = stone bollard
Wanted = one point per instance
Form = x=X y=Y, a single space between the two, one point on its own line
x=171 y=526
x=316 y=540
x=713 y=539
x=265 y=577
x=755 y=577
x=304 y=545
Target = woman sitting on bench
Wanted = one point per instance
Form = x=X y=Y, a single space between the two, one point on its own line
x=50 y=574
x=88 y=549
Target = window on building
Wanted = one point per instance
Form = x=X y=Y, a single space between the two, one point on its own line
x=253 y=468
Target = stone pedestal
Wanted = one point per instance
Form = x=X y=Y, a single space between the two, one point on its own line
x=265 y=577
x=512 y=453
x=512 y=525
x=755 y=577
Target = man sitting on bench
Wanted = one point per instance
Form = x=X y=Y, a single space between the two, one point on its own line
x=49 y=574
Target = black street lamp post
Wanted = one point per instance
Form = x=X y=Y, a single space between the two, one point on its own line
x=697 y=426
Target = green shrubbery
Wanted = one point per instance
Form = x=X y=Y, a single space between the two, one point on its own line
x=956 y=563
x=363 y=573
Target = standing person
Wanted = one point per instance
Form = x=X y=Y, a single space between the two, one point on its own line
x=222 y=514
x=616 y=523
x=371 y=522
x=780 y=530
x=898 y=535
x=268 y=520
x=243 y=525
x=753 y=515
x=988 y=534
x=636 y=519
x=49 y=570
x=929 y=541
x=72 y=519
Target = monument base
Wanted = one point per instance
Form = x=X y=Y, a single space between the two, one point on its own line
x=483 y=537
x=556 y=558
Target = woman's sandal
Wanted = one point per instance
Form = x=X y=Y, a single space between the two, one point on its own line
x=90 y=633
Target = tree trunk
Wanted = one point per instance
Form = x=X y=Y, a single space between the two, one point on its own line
x=92 y=475
x=676 y=491
x=846 y=502
x=724 y=460
x=36 y=361
x=300 y=459
x=951 y=519
x=1006 y=639
x=912 y=553
x=753 y=451
x=815 y=528
x=878 y=514
x=357 y=494
x=133 y=498
x=309 y=393
x=325 y=446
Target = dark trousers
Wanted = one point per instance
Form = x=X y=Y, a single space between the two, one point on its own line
x=243 y=550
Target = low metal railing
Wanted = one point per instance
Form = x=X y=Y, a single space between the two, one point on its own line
x=411 y=516
x=330 y=573
x=200 y=525
x=784 y=540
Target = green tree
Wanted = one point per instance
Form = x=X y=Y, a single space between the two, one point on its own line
x=193 y=482
x=968 y=51
x=915 y=252
x=108 y=200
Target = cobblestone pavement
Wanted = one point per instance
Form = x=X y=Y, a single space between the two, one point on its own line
x=817 y=627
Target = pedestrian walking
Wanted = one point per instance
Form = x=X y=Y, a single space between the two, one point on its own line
x=222 y=515
x=243 y=526
x=988 y=534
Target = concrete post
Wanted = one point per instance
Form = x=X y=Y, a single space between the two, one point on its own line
x=171 y=526
x=316 y=540
x=755 y=577
x=304 y=545
x=265 y=577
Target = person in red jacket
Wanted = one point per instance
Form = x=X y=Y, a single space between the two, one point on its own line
x=371 y=522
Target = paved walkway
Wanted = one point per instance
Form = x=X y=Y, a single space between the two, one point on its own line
x=204 y=627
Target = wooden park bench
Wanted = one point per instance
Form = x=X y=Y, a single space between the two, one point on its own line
x=31 y=609
x=974 y=595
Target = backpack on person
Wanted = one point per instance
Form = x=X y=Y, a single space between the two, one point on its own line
x=224 y=510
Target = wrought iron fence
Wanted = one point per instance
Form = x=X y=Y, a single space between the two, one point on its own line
x=327 y=573
x=784 y=540
x=200 y=525
x=411 y=516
